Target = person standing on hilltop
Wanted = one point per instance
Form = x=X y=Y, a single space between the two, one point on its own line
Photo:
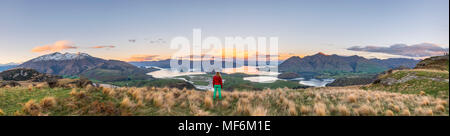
x=217 y=84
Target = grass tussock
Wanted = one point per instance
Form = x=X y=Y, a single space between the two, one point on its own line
x=208 y=102
x=48 y=103
x=305 y=110
x=389 y=113
x=31 y=108
x=258 y=111
x=320 y=109
x=126 y=103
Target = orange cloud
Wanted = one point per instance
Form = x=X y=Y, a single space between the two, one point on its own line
x=55 y=47
x=142 y=57
x=103 y=46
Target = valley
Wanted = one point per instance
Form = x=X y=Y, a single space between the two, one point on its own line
x=311 y=71
x=404 y=91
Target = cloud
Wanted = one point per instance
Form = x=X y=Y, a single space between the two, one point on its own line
x=142 y=57
x=416 y=50
x=103 y=46
x=55 y=47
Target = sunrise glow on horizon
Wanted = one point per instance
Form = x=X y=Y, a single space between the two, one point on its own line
x=143 y=30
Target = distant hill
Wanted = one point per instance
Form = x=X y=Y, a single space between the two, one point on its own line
x=321 y=63
x=166 y=63
x=393 y=63
x=437 y=62
x=6 y=67
x=82 y=64
x=159 y=63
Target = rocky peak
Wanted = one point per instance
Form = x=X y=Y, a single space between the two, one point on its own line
x=320 y=54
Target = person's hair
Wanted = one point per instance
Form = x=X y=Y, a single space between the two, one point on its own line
x=218 y=74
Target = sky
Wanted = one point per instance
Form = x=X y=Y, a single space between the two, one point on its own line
x=142 y=29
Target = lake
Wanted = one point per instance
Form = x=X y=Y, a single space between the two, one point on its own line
x=262 y=76
x=317 y=82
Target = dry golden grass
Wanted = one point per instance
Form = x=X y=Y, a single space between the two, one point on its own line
x=425 y=102
x=78 y=94
x=183 y=104
x=202 y=113
x=158 y=100
x=292 y=109
x=442 y=102
x=48 y=102
x=366 y=110
x=73 y=92
x=148 y=97
x=440 y=108
x=388 y=113
x=1 y=112
x=351 y=98
x=42 y=85
x=428 y=112
x=81 y=94
x=243 y=106
x=305 y=110
x=140 y=103
x=109 y=91
x=126 y=103
x=30 y=87
x=405 y=112
x=225 y=103
x=320 y=109
x=422 y=93
x=326 y=101
x=258 y=111
x=137 y=94
x=395 y=108
x=343 y=110
x=32 y=108
x=208 y=102
x=425 y=70
x=90 y=88
x=169 y=99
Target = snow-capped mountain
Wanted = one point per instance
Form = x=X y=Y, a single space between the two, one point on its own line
x=59 y=56
x=82 y=64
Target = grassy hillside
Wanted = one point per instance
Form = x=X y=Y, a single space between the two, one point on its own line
x=171 y=83
x=415 y=81
x=348 y=101
x=13 y=99
x=429 y=77
x=422 y=91
x=109 y=75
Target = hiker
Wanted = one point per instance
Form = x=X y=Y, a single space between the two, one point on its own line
x=217 y=84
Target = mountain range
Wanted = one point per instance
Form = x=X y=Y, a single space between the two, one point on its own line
x=6 y=67
x=82 y=64
x=322 y=63
x=166 y=63
x=160 y=63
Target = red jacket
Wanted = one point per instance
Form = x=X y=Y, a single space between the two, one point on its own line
x=217 y=81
